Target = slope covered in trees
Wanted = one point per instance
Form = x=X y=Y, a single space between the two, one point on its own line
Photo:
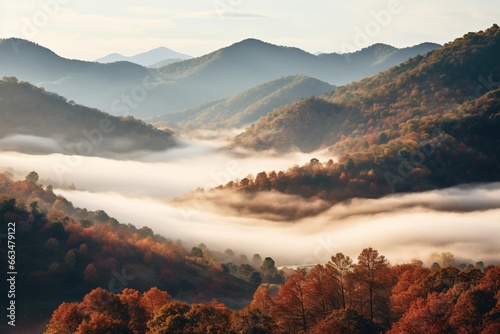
x=246 y=107
x=63 y=252
x=342 y=296
x=352 y=116
x=434 y=151
x=28 y=112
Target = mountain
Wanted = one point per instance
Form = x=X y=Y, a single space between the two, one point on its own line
x=251 y=62
x=148 y=58
x=98 y=85
x=123 y=88
x=246 y=107
x=432 y=122
x=34 y=63
x=424 y=85
x=69 y=251
x=36 y=121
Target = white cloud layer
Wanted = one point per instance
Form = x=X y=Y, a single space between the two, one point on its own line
x=462 y=220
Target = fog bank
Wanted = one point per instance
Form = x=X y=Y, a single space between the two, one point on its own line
x=461 y=220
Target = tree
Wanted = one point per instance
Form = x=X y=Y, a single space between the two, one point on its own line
x=137 y=315
x=256 y=259
x=338 y=268
x=371 y=272
x=262 y=182
x=407 y=289
x=471 y=309
x=314 y=162
x=208 y=318
x=32 y=177
x=344 y=322
x=171 y=318
x=65 y=319
x=103 y=312
x=290 y=305
x=318 y=291
x=262 y=300
x=429 y=315
x=153 y=299
x=70 y=259
x=229 y=253
x=254 y=278
x=90 y=273
x=252 y=321
x=267 y=264
x=197 y=253
x=34 y=208
x=244 y=271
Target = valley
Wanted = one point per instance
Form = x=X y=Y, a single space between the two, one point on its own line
x=256 y=188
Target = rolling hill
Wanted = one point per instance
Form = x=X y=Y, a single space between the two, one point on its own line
x=246 y=107
x=36 y=121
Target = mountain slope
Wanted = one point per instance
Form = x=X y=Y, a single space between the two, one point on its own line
x=421 y=86
x=148 y=58
x=69 y=251
x=429 y=152
x=246 y=107
x=35 y=121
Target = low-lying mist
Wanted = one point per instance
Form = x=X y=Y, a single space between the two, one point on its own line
x=463 y=220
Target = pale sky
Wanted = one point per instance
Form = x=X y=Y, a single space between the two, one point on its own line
x=89 y=29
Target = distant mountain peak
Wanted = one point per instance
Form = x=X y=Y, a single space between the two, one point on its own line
x=251 y=40
x=148 y=58
x=249 y=43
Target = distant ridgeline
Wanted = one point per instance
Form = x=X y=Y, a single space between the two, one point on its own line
x=124 y=88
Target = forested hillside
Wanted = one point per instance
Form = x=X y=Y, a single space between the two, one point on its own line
x=63 y=252
x=37 y=121
x=430 y=152
x=353 y=116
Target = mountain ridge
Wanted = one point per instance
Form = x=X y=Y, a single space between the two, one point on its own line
x=178 y=86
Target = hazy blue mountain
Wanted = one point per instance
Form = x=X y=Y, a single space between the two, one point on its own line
x=148 y=58
x=123 y=88
x=88 y=83
x=248 y=62
x=246 y=107
x=39 y=122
